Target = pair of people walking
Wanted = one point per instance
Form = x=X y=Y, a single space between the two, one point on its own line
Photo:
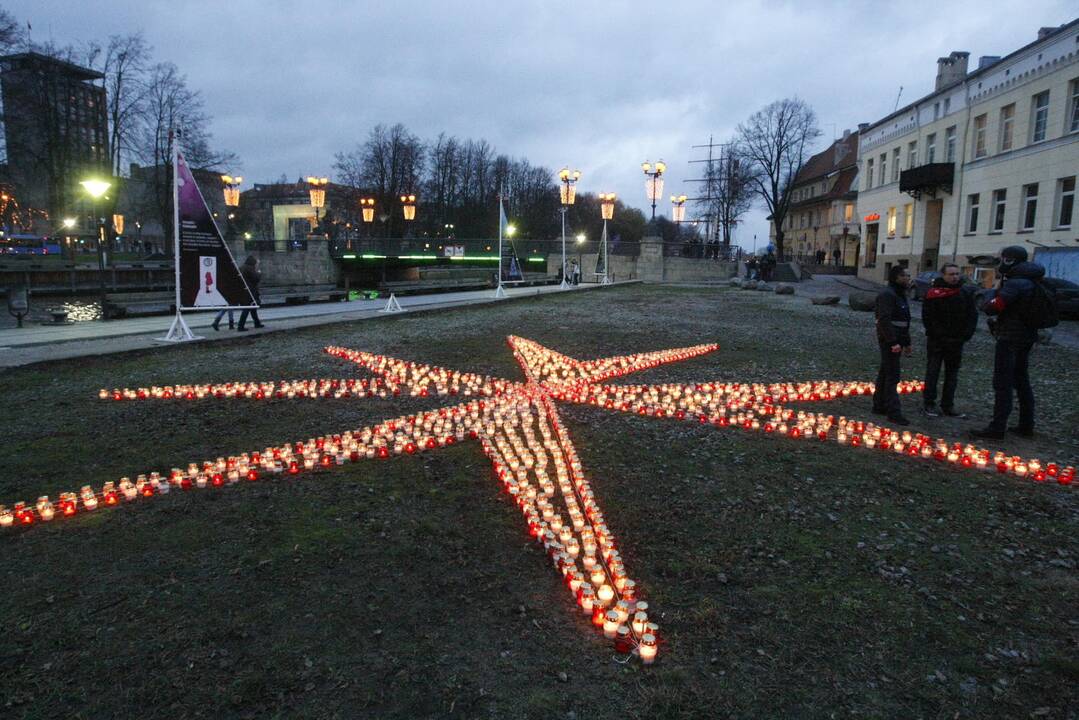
x=252 y=276
x=1017 y=309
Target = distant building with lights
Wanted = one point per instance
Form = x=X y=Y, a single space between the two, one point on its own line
x=55 y=128
x=822 y=214
x=280 y=216
x=988 y=159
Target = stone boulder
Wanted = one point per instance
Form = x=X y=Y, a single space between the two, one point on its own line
x=863 y=301
x=735 y=282
x=764 y=287
x=784 y=289
x=825 y=299
x=749 y=285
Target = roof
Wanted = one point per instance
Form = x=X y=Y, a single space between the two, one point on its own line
x=973 y=74
x=78 y=72
x=824 y=163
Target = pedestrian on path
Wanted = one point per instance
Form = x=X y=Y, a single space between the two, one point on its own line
x=217 y=320
x=1017 y=310
x=950 y=316
x=893 y=338
x=252 y=276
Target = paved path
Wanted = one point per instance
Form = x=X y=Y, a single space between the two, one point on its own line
x=39 y=343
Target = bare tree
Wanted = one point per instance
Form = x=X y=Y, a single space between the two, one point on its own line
x=125 y=70
x=169 y=105
x=11 y=33
x=775 y=142
x=730 y=183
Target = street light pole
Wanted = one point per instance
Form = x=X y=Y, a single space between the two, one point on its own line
x=606 y=206
x=567 y=192
x=97 y=189
x=654 y=184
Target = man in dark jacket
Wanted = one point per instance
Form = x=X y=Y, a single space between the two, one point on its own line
x=1015 y=339
x=893 y=337
x=950 y=317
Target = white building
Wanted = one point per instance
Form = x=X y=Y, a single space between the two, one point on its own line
x=988 y=159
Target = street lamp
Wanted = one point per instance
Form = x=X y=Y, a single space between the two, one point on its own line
x=653 y=186
x=316 y=186
x=606 y=207
x=511 y=230
x=96 y=189
x=232 y=190
x=367 y=207
x=678 y=209
x=408 y=206
x=567 y=191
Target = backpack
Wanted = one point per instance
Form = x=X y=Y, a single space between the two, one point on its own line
x=1039 y=310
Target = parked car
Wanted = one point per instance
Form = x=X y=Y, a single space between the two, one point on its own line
x=1067 y=294
x=923 y=281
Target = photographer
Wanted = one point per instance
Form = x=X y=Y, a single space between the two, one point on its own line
x=893 y=338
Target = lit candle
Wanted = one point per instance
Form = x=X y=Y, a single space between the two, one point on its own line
x=647 y=649
x=610 y=624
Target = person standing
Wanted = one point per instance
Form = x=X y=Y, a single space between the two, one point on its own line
x=252 y=276
x=836 y=255
x=768 y=266
x=950 y=316
x=893 y=338
x=1015 y=317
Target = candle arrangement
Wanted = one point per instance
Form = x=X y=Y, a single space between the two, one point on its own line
x=520 y=430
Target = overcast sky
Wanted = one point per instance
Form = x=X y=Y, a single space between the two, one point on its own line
x=600 y=86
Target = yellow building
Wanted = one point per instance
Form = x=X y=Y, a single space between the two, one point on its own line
x=989 y=159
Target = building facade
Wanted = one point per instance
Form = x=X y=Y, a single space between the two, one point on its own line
x=55 y=128
x=988 y=159
x=822 y=215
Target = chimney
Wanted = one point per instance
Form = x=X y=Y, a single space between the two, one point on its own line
x=862 y=127
x=1045 y=31
x=846 y=133
x=952 y=68
x=986 y=60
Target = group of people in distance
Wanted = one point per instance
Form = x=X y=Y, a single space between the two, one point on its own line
x=762 y=268
x=1018 y=308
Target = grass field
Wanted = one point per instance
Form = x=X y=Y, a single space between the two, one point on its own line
x=790 y=579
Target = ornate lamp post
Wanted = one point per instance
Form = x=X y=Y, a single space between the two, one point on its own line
x=567 y=191
x=653 y=186
x=408 y=207
x=367 y=207
x=231 y=187
x=316 y=186
x=606 y=207
x=678 y=208
x=96 y=189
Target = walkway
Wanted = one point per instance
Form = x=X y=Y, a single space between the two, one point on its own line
x=40 y=343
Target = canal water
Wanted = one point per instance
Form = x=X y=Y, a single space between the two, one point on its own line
x=79 y=309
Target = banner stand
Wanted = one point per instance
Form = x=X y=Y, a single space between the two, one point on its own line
x=500 y=292
x=178 y=331
x=392 y=306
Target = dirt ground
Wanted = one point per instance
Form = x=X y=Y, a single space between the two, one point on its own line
x=790 y=579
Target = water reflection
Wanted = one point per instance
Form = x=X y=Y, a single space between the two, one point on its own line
x=78 y=309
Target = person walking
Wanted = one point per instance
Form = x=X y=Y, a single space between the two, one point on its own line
x=950 y=316
x=1015 y=316
x=893 y=338
x=252 y=276
x=836 y=255
x=768 y=266
x=217 y=320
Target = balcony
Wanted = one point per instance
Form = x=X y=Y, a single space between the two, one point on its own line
x=927 y=179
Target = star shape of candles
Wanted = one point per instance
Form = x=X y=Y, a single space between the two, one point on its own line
x=520 y=430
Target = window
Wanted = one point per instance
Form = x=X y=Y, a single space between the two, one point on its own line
x=1007 y=126
x=1039 y=120
x=936 y=111
x=947 y=105
x=1030 y=206
x=896 y=164
x=930 y=148
x=848 y=212
x=1073 y=116
x=883 y=177
x=979 y=136
x=908 y=219
x=912 y=155
x=1066 y=203
x=972 y=212
x=891 y=222
x=949 y=144
x=1000 y=198
x=868 y=173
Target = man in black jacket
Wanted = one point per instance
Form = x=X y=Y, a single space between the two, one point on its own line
x=1015 y=339
x=950 y=316
x=893 y=337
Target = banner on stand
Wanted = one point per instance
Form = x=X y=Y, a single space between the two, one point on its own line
x=208 y=274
